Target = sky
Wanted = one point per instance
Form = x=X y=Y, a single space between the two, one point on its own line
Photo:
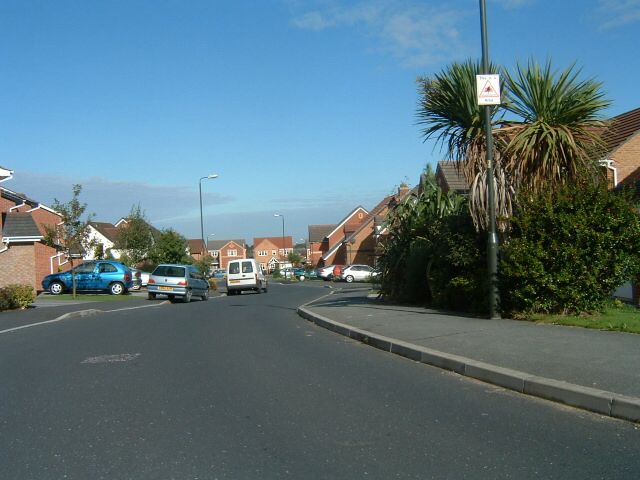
x=305 y=108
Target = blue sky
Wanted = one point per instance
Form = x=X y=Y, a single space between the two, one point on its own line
x=302 y=107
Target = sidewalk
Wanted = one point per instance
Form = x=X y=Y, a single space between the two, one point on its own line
x=590 y=369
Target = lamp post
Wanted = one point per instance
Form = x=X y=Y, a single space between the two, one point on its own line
x=492 y=244
x=213 y=175
x=281 y=216
x=207 y=245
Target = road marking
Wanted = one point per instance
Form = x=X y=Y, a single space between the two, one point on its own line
x=122 y=357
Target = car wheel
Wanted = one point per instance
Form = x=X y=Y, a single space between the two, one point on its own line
x=116 y=288
x=187 y=297
x=56 y=288
x=151 y=296
x=349 y=278
x=205 y=296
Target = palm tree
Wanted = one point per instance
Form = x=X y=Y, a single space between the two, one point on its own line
x=558 y=135
x=449 y=110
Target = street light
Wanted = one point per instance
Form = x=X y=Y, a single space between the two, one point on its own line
x=213 y=175
x=281 y=216
x=492 y=241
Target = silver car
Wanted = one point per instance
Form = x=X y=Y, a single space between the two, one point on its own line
x=177 y=282
x=358 y=273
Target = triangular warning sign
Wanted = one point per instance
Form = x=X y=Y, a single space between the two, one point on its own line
x=488 y=91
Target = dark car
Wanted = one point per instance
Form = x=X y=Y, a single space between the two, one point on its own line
x=302 y=274
x=102 y=275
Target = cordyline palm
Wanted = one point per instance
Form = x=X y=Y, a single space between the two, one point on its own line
x=558 y=135
x=449 y=110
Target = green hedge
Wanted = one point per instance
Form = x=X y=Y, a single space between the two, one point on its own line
x=16 y=296
x=569 y=250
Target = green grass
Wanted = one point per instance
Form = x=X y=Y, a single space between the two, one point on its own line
x=621 y=318
x=92 y=297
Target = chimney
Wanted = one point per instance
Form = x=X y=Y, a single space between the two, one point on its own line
x=403 y=189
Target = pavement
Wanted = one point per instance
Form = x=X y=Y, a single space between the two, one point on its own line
x=589 y=369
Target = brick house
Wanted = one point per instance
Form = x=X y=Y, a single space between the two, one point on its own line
x=223 y=251
x=361 y=245
x=324 y=239
x=270 y=252
x=622 y=164
x=622 y=139
x=195 y=248
x=24 y=258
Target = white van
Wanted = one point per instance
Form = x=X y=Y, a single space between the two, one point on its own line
x=245 y=274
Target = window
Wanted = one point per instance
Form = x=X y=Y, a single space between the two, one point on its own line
x=85 y=267
x=274 y=252
x=234 y=267
x=247 y=267
x=106 y=268
x=263 y=253
x=232 y=253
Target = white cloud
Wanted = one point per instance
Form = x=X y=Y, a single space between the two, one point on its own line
x=616 y=13
x=414 y=33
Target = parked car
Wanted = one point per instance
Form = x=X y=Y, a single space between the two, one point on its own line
x=245 y=275
x=140 y=278
x=102 y=275
x=177 y=282
x=326 y=273
x=302 y=274
x=219 y=273
x=358 y=273
x=288 y=272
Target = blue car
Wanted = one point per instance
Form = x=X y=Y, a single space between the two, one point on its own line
x=100 y=275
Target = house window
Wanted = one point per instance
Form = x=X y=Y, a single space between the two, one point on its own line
x=274 y=252
x=232 y=253
x=263 y=253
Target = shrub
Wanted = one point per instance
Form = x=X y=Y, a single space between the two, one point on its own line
x=16 y=296
x=569 y=250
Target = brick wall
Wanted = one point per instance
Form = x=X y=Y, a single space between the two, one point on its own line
x=627 y=160
x=17 y=265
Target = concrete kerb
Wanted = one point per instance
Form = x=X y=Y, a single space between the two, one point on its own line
x=599 y=401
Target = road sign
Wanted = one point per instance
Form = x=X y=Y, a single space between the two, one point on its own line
x=488 y=89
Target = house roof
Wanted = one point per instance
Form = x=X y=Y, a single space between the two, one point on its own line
x=17 y=198
x=20 y=226
x=453 y=176
x=107 y=230
x=219 y=244
x=346 y=219
x=376 y=212
x=5 y=174
x=277 y=241
x=622 y=128
x=195 y=245
x=318 y=233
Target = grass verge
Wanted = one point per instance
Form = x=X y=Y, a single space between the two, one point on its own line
x=623 y=318
x=93 y=297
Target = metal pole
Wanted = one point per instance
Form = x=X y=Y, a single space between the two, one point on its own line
x=201 y=220
x=284 y=250
x=492 y=244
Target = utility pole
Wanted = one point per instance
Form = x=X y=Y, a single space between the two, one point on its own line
x=492 y=244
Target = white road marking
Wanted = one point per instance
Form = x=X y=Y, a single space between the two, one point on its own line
x=122 y=357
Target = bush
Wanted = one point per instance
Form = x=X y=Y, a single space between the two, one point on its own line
x=16 y=296
x=569 y=250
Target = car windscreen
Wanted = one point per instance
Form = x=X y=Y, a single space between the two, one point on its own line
x=169 y=271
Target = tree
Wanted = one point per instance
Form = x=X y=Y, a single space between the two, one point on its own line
x=295 y=258
x=558 y=137
x=135 y=239
x=71 y=235
x=171 y=247
x=552 y=137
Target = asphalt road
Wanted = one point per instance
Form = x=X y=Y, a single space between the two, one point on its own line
x=242 y=388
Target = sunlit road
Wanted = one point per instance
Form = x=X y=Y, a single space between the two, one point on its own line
x=242 y=388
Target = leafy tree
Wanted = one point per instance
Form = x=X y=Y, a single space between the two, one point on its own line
x=135 y=239
x=295 y=258
x=171 y=247
x=569 y=249
x=204 y=264
x=71 y=236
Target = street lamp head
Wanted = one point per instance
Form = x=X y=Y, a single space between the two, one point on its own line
x=277 y=215
x=213 y=175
